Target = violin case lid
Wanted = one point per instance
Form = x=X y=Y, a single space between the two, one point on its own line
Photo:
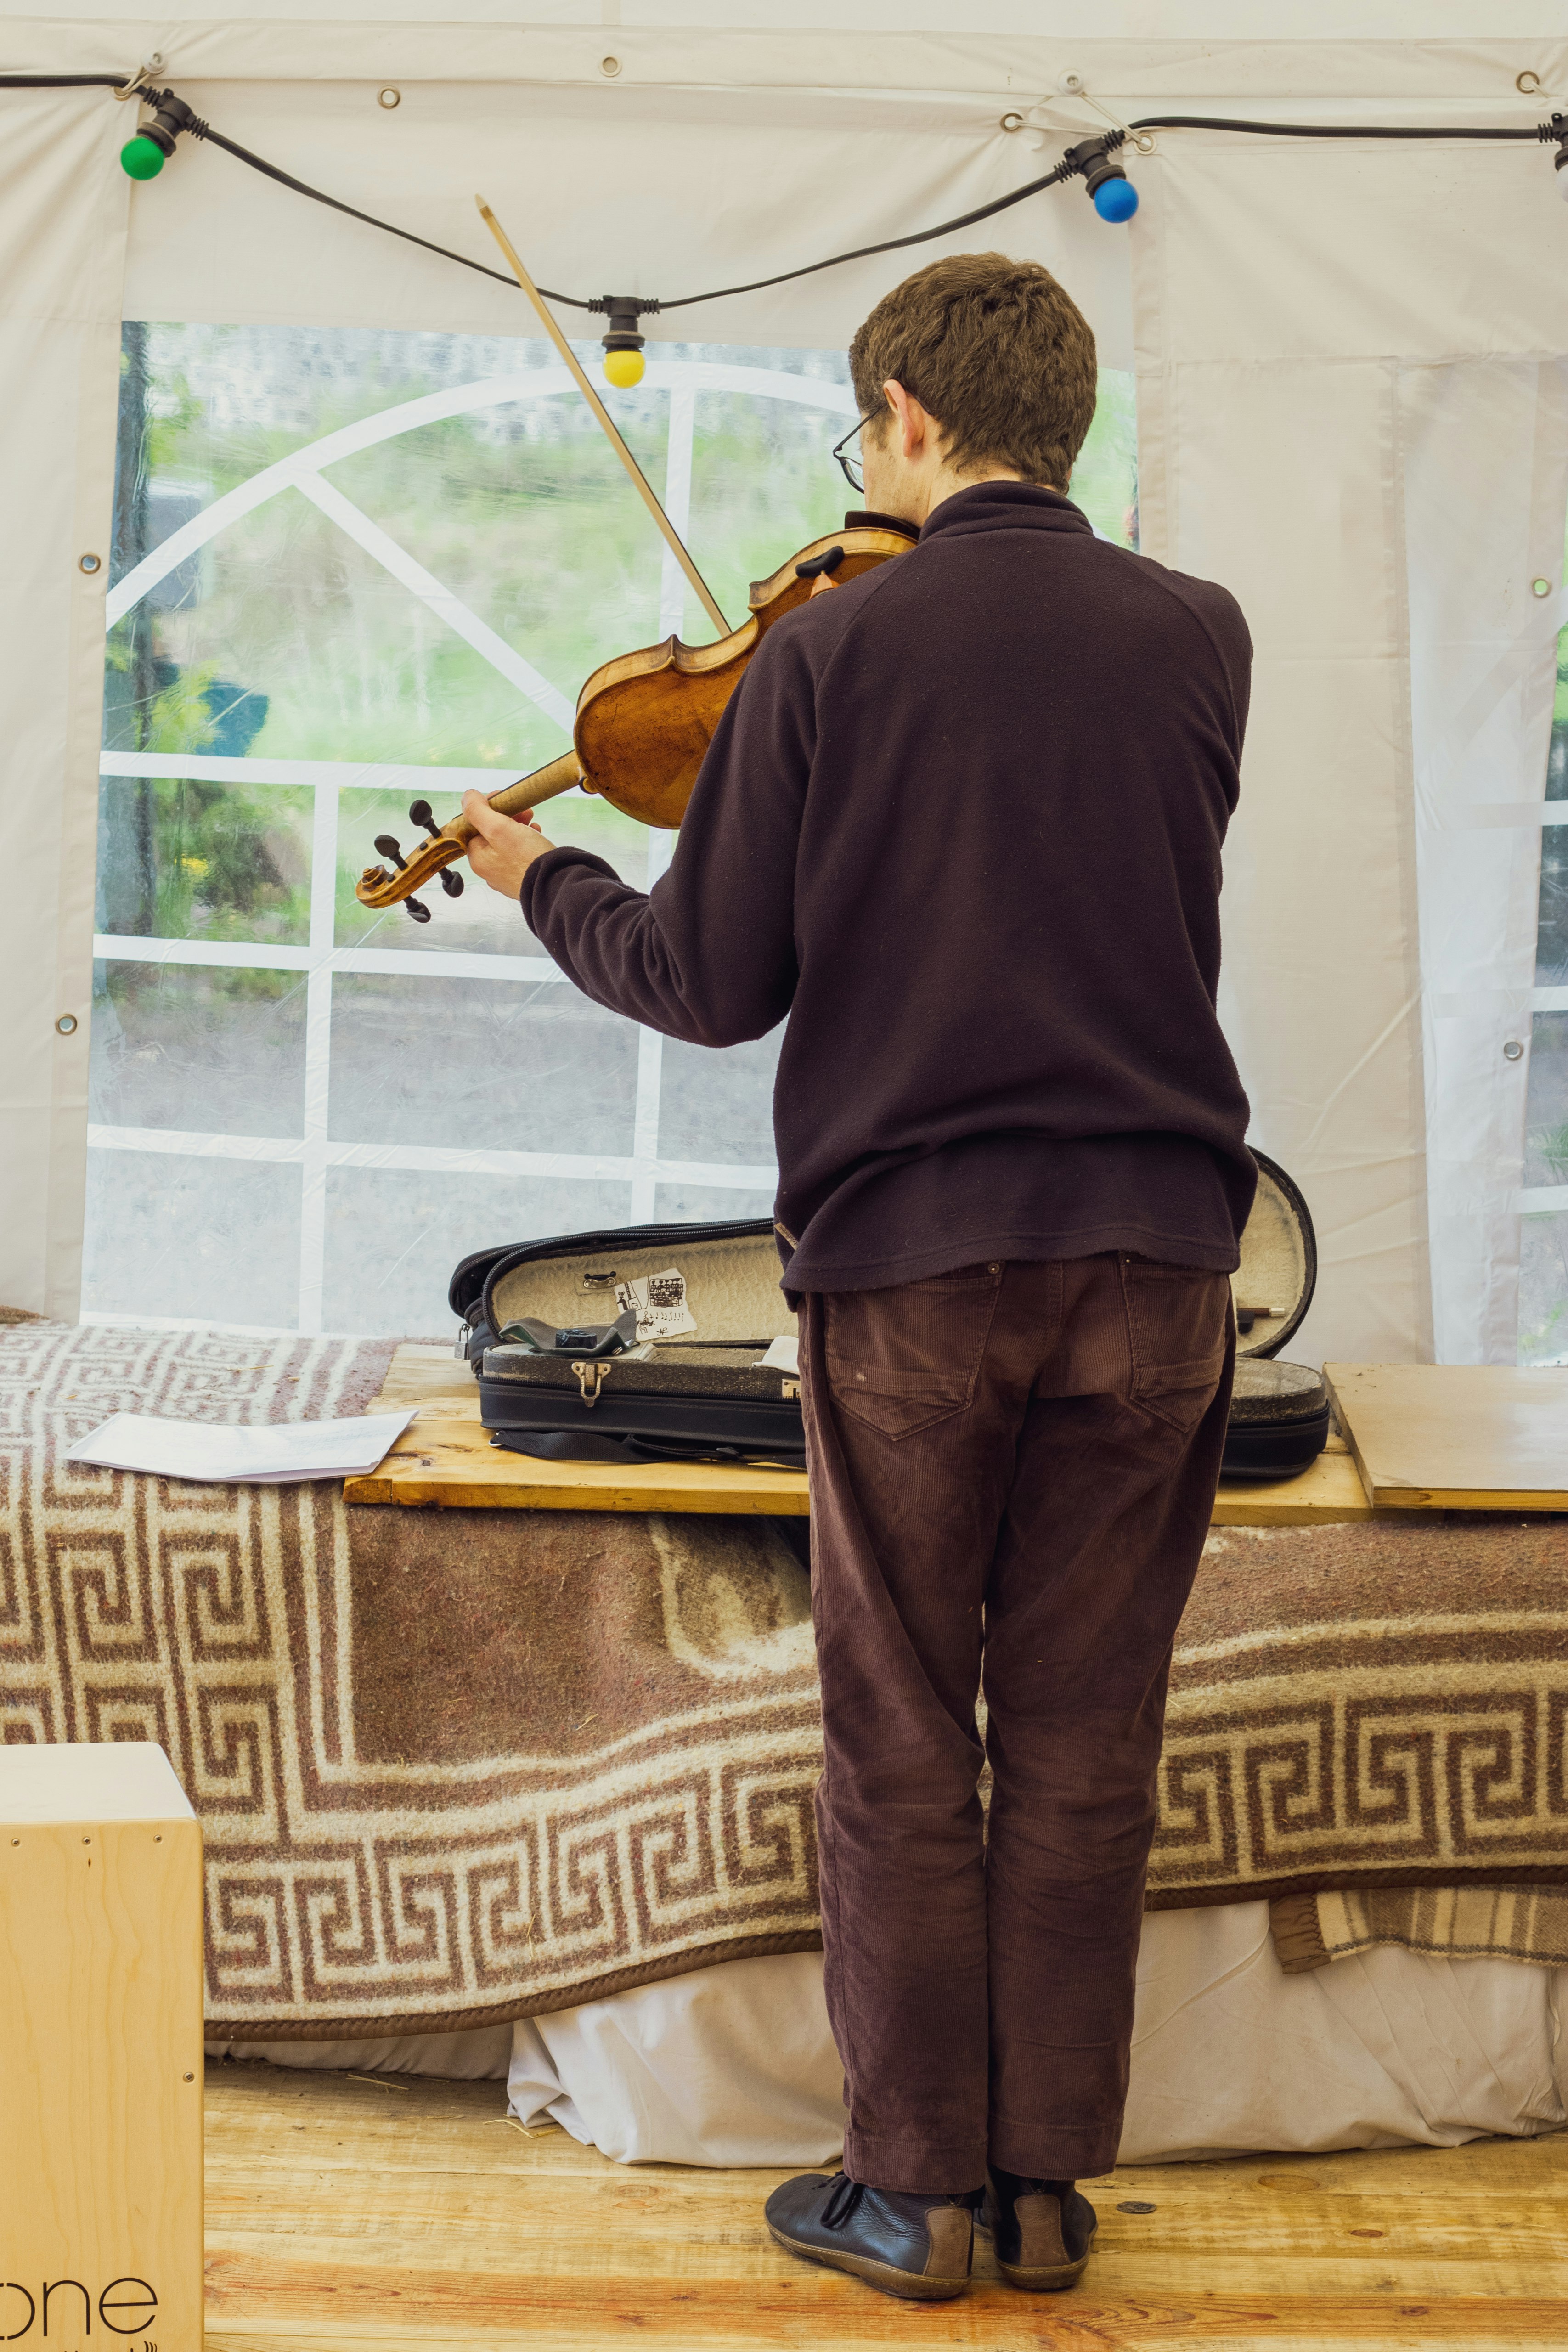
x=708 y=1306
x=1279 y=1413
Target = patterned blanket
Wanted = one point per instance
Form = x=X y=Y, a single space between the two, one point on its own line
x=455 y=1766
x=1369 y=1705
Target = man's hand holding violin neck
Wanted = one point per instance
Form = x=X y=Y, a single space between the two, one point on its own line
x=503 y=848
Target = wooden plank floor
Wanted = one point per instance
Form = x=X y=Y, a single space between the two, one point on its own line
x=344 y=2214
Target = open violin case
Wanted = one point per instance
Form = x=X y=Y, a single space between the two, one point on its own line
x=674 y=1342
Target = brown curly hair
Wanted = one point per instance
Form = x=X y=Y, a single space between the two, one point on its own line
x=997 y=351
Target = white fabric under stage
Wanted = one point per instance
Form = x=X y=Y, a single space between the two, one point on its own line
x=733 y=2064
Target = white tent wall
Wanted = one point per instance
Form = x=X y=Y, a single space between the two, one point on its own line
x=1284 y=293
x=1302 y=311
x=1483 y=661
x=63 y=207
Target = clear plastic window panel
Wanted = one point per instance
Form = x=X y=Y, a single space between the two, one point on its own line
x=353 y=569
x=1544 y=1231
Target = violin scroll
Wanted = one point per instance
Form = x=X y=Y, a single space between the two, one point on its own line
x=378 y=888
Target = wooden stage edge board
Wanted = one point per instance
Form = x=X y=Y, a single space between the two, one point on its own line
x=1456 y=1437
x=451 y=1463
x=445 y=1460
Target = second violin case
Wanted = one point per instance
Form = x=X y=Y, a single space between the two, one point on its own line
x=674 y=1342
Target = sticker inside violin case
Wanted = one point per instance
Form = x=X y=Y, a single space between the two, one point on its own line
x=647 y=1343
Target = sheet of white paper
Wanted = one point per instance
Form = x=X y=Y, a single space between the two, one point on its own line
x=216 y=1455
x=784 y=1356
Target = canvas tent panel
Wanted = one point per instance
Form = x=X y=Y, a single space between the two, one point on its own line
x=1280 y=291
x=1483 y=654
x=63 y=207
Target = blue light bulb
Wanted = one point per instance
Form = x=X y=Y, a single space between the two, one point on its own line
x=1116 y=200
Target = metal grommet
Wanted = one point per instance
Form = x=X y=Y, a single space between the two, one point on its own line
x=610 y=66
x=1513 y=1050
x=66 y=1025
x=90 y=562
x=1540 y=587
x=389 y=97
x=995 y=1267
x=1527 y=83
x=1011 y=122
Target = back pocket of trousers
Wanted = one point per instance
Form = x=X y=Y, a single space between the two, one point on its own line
x=902 y=1359
x=1179 y=1319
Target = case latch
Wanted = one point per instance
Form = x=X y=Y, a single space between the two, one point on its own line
x=789 y=1389
x=590 y=1379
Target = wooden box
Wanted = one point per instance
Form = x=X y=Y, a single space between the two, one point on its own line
x=100 y=2051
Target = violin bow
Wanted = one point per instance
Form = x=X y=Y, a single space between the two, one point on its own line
x=639 y=480
x=377 y=888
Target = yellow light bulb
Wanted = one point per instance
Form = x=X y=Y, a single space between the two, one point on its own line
x=622 y=369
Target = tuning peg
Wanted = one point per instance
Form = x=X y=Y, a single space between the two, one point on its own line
x=421 y=812
x=388 y=848
x=420 y=914
x=451 y=882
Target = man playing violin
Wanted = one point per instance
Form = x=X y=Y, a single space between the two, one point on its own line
x=960 y=829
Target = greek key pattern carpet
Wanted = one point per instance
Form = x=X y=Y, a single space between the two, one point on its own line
x=451 y=1767
x=1369 y=1705
x=455 y=1766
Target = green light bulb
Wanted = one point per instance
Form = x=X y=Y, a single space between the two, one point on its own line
x=141 y=157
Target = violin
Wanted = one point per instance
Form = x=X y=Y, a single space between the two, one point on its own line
x=643 y=721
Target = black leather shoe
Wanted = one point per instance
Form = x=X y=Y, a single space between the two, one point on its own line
x=1042 y=2229
x=917 y=2247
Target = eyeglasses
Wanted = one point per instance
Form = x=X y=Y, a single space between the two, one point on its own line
x=854 y=467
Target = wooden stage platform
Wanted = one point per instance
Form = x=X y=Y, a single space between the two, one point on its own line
x=344 y=2215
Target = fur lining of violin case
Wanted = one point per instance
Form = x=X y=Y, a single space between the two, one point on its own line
x=690 y=1383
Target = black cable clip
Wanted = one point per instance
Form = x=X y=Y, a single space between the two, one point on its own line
x=1555 y=133
x=143 y=156
x=623 y=340
x=1111 y=192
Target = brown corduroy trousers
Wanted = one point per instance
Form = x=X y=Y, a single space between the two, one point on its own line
x=1012 y=1470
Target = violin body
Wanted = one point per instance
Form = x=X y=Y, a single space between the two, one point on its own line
x=645 y=721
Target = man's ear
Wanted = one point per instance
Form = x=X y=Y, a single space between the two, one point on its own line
x=910 y=423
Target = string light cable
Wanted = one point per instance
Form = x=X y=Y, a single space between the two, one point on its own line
x=1094 y=160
